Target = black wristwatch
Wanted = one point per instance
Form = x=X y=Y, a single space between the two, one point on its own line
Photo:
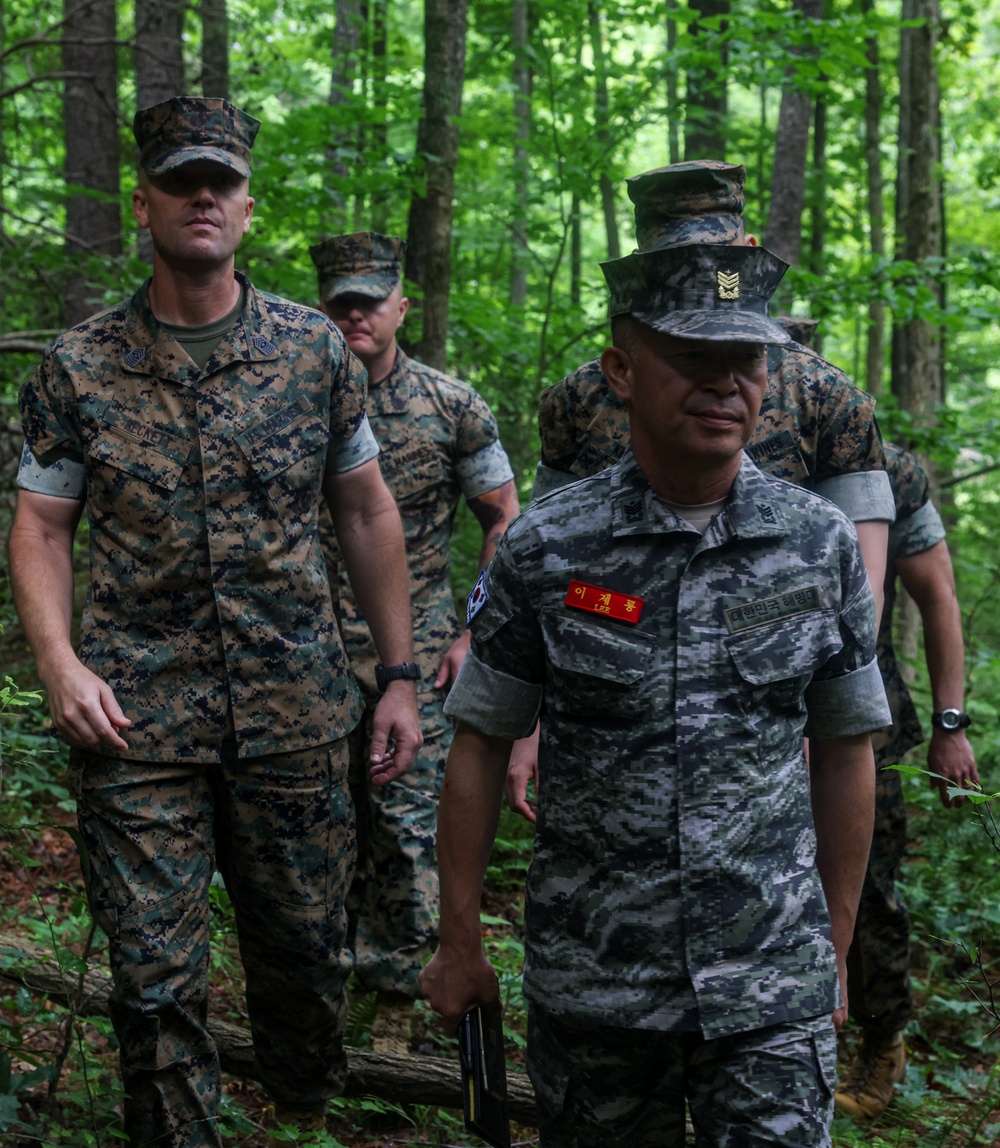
x=405 y=671
x=950 y=719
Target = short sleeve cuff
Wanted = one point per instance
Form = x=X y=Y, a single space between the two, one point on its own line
x=349 y=454
x=916 y=532
x=63 y=478
x=864 y=496
x=850 y=704
x=547 y=478
x=495 y=703
x=484 y=471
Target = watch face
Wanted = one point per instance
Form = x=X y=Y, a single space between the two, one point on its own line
x=950 y=719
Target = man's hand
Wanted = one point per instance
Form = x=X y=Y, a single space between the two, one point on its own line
x=396 y=735
x=521 y=772
x=83 y=707
x=840 y=1014
x=455 y=982
x=950 y=755
x=451 y=663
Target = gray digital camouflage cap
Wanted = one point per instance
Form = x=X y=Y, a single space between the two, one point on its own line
x=188 y=128
x=700 y=201
x=700 y=291
x=365 y=263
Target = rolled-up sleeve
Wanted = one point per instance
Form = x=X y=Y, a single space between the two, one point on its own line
x=494 y=702
x=864 y=496
x=850 y=704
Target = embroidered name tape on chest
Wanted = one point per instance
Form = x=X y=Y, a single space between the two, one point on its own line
x=596 y=600
x=765 y=610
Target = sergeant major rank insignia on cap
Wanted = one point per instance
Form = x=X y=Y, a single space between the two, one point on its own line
x=729 y=284
x=477 y=599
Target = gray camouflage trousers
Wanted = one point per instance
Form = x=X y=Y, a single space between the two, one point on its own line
x=878 y=965
x=600 y=1087
x=279 y=828
x=392 y=907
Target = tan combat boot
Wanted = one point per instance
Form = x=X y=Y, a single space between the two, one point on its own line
x=391 y=1026
x=868 y=1085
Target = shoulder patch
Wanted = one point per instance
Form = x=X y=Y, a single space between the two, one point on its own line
x=477 y=599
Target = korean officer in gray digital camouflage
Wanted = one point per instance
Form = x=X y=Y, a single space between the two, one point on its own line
x=679 y=622
x=199 y=425
x=439 y=443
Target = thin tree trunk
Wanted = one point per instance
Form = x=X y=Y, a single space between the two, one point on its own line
x=673 y=101
x=90 y=120
x=214 y=49
x=343 y=74
x=159 y=62
x=707 y=104
x=875 y=344
x=783 y=233
x=817 y=237
x=159 y=67
x=603 y=129
x=522 y=137
x=377 y=95
x=916 y=366
x=428 y=254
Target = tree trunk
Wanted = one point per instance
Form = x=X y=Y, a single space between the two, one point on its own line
x=817 y=236
x=916 y=359
x=159 y=67
x=428 y=253
x=346 y=51
x=783 y=233
x=159 y=63
x=90 y=120
x=673 y=102
x=603 y=128
x=875 y=343
x=522 y=139
x=398 y=1079
x=214 y=49
x=707 y=104
x=380 y=205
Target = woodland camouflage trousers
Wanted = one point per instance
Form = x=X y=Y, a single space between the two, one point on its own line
x=393 y=902
x=600 y=1087
x=878 y=965
x=279 y=829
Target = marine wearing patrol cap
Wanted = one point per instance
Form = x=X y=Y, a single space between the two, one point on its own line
x=365 y=263
x=700 y=291
x=699 y=201
x=188 y=128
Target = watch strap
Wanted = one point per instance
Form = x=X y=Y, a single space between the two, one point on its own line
x=402 y=671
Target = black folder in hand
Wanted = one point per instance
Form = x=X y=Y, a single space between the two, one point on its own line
x=484 y=1075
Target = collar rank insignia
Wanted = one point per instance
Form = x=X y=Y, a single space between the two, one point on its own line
x=135 y=357
x=263 y=344
x=597 y=600
x=477 y=599
x=729 y=284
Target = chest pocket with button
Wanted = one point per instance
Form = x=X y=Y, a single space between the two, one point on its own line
x=775 y=662
x=287 y=453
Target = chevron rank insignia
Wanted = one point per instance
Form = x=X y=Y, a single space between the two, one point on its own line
x=729 y=284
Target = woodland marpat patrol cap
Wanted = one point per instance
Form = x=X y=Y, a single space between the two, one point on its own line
x=187 y=128
x=365 y=263
x=701 y=291
x=699 y=201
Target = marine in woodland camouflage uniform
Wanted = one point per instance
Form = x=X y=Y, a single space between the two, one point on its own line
x=815 y=429
x=212 y=683
x=439 y=442
x=880 y=994
x=678 y=942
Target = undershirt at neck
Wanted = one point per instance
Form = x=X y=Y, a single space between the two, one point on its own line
x=698 y=515
x=201 y=341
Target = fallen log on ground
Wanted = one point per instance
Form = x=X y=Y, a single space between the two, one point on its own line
x=398 y=1079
